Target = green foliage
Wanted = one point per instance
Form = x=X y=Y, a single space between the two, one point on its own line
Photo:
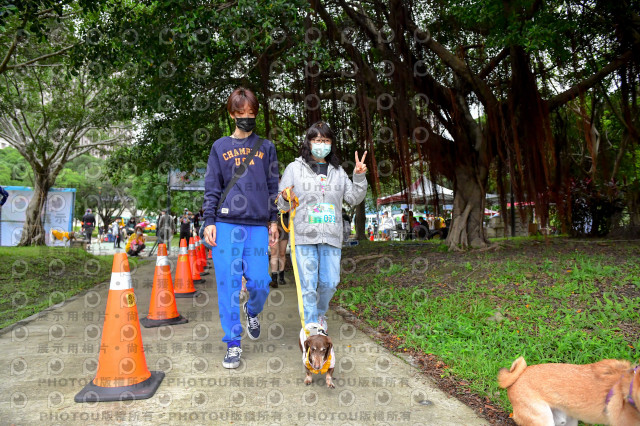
x=14 y=170
x=188 y=56
x=34 y=278
x=557 y=305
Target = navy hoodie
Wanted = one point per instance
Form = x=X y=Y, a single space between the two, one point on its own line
x=251 y=201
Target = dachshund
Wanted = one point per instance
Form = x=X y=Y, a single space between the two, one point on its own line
x=318 y=356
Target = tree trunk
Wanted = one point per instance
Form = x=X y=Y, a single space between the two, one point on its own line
x=312 y=106
x=33 y=231
x=361 y=218
x=633 y=205
x=468 y=211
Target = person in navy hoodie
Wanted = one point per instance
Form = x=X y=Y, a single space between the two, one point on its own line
x=3 y=196
x=241 y=227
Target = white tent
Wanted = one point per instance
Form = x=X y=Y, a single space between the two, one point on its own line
x=422 y=191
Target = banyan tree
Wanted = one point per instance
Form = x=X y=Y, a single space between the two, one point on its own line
x=470 y=87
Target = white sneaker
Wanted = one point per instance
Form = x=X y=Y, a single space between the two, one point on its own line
x=314 y=328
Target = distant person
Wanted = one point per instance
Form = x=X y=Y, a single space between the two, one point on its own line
x=3 y=196
x=278 y=253
x=438 y=222
x=404 y=218
x=115 y=230
x=185 y=226
x=135 y=243
x=388 y=225
x=165 y=229
x=410 y=224
x=88 y=224
x=131 y=226
x=346 y=225
x=196 y=220
x=421 y=228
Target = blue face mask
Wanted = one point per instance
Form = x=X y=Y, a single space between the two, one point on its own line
x=320 y=150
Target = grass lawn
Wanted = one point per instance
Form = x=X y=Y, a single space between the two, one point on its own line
x=34 y=278
x=466 y=315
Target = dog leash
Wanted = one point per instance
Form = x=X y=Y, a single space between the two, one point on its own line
x=292 y=238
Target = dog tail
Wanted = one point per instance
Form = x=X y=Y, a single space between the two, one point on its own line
x=508 y=377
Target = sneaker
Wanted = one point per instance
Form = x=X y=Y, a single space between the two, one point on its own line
x=232 y=358
x=313 y=328
x=253 y=324
x=274 y=281
x=322 y=320
x=281 y=280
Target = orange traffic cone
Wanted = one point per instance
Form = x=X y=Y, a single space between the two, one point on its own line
x=162 y=309
x=184 y=283
x=193 y=263
x=202 y=259
x=122 y=368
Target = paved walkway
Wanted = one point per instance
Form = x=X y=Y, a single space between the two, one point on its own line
x=46 y=361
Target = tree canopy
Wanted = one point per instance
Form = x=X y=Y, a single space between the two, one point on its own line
x=530 y=97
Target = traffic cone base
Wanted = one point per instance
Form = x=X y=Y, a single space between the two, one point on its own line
x=142 y=390
x=185 y=295
x=149 y=323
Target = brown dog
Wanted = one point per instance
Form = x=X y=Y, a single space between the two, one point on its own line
x=317 y=356
x=606 y=392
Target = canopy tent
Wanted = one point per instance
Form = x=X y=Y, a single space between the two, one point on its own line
x=422 y=192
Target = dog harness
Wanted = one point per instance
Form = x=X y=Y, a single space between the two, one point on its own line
x=60 y=235
x=629 y=397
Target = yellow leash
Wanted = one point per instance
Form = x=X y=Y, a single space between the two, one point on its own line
x=292 y=214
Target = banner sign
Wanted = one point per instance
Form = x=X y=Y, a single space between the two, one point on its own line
x=57 y=214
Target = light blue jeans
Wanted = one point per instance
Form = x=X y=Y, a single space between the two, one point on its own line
x=319 y=270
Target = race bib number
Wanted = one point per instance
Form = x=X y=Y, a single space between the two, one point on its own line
x=322 y=213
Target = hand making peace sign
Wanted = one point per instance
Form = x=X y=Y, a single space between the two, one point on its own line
x=360 y=166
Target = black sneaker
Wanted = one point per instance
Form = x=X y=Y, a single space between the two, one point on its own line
x=232 y=358
x=281 y=280
x=253 y=324
x=274 y=281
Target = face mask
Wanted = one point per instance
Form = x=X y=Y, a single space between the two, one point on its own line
x=320 y=150
x=246 y=124
x=139 y=233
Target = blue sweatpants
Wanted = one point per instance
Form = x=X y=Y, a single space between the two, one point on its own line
x=241 y=250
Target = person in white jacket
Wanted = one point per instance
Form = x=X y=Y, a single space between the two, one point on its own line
x=321 y=185
x=388 y=225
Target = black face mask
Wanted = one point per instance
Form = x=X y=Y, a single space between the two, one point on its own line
x=246 y=124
